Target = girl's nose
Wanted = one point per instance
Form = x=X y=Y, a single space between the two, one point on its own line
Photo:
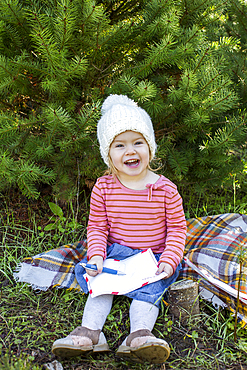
x=130 y=150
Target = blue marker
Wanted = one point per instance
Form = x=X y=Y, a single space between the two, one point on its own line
x=105 y=269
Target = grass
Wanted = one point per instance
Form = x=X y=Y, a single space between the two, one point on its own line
x=31 y=320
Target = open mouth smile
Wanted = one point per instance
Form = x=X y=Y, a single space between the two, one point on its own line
x=132 y=162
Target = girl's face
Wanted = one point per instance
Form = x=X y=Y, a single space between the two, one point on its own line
x=129 y=153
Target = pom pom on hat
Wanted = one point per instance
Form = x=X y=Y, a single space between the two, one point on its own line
x=120 y=114
x=116 y=99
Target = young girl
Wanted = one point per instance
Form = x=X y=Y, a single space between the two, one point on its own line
x=131 y=209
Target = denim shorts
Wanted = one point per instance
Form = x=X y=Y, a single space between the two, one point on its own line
x=152 y=293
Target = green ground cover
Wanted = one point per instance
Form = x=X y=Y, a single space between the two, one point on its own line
x=30 y=321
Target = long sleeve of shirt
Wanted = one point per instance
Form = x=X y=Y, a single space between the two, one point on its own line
x=98 y=227
x=140 y=219
x=175 y=231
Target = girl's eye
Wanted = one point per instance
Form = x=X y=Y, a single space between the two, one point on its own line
x=119 y=146
x=138 y=143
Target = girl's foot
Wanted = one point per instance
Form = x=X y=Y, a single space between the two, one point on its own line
x=80 y=341
x=143 y=346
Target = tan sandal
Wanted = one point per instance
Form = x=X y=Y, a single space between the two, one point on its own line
x=80 y=341
x=152 y=349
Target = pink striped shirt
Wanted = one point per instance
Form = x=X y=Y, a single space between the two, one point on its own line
x=139 y=219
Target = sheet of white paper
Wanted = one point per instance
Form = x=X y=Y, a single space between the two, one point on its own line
x=218 y=283
x=140 y=270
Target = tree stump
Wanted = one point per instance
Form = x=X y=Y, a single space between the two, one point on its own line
x=184 y=300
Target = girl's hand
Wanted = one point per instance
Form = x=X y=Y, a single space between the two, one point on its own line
x=165 y=267
x=98 y=261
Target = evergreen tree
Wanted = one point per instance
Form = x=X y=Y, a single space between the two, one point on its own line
x=181 y=61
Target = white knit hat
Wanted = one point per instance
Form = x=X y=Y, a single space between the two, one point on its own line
x=120 y=114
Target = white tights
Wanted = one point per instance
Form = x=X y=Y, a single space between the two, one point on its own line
x=143 y=315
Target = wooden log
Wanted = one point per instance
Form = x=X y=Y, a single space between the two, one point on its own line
x=184 y=300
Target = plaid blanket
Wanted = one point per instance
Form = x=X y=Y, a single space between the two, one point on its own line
x=213 y=243
x=53 y=268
